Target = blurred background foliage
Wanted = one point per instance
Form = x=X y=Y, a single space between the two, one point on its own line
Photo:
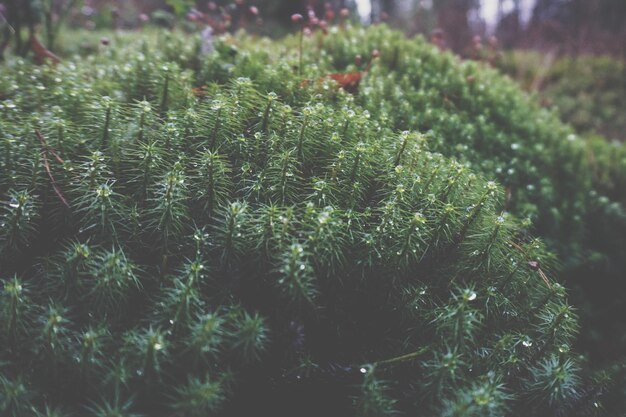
x=567 y=26
x=571 y=51
x=589 y=92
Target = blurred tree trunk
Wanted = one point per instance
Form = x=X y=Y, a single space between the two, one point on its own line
x=509 y=27
x=14 y=21
x=14 y=18
x=452 y=17
x=54 y=14
x=25 y=10
x=578 y=27
x=382 y=9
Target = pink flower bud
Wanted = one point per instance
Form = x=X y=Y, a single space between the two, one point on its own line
x=375 y=53
x=296 y=18
x=254 y=10
x=344 y=12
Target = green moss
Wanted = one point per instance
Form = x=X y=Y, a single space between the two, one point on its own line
x=267 y=245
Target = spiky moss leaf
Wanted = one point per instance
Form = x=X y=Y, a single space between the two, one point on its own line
x=17 y=222
x=199 y=398
x=18 y=315
x=556 y=378
x=373 y=400
x=114 y=408
x=14 y=397
x=48 y=411
x=181 y=252
x=486 y=397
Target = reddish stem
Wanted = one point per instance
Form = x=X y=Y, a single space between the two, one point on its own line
x=45 y=150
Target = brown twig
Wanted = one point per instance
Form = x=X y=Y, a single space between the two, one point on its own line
x=45 y=149
x=534 y=265
x=403 y=358
x=41 y=53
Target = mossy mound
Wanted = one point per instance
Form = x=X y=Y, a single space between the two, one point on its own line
x=470 y=112
x=570 y=187
x=258 y=246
